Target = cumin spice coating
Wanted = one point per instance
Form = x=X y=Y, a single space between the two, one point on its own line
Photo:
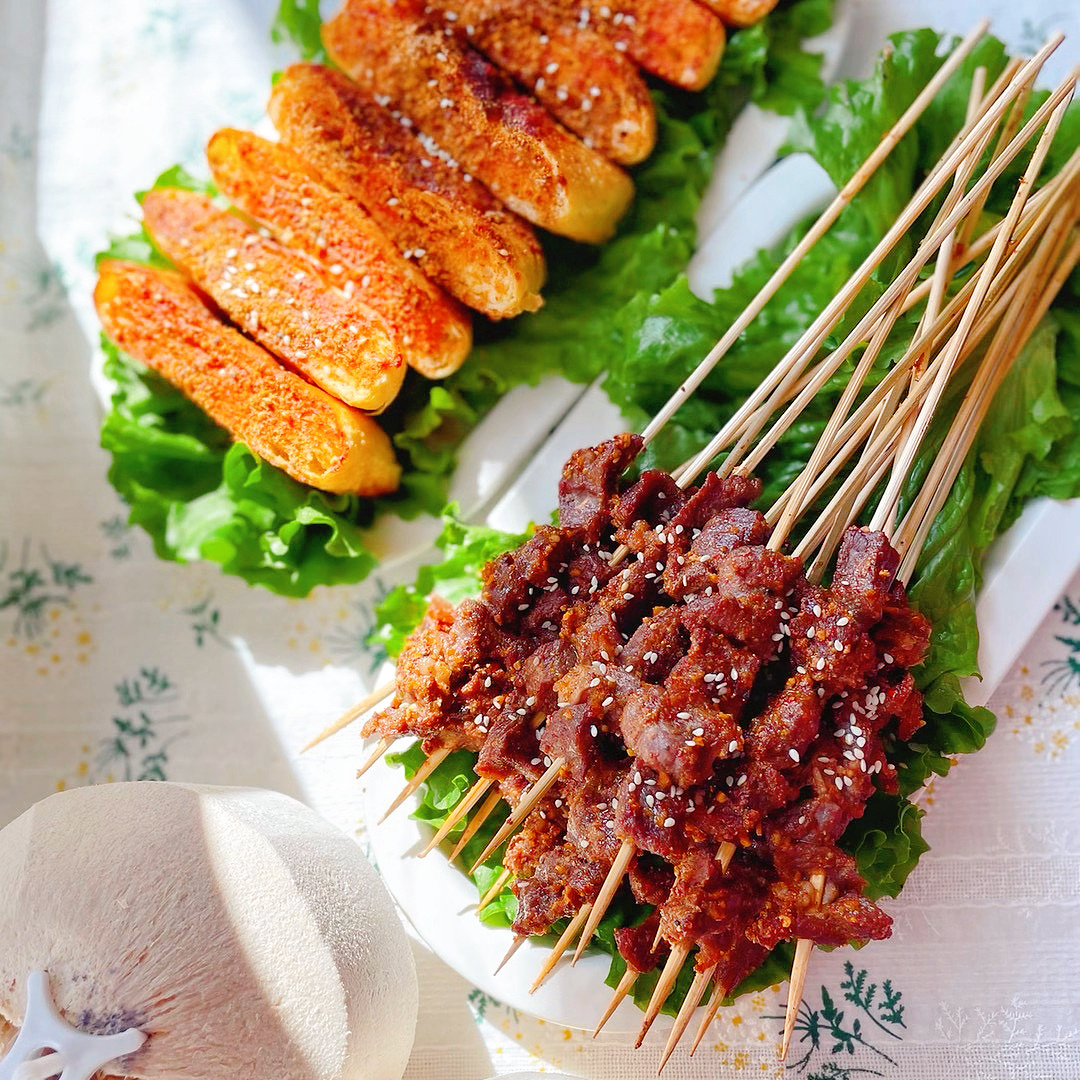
x=701 y=693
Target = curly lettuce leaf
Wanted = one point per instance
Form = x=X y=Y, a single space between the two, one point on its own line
x=299 y=23
x=466 y=550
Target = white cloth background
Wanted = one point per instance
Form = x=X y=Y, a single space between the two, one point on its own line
x=115 y=665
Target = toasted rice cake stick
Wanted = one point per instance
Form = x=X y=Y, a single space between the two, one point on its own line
x=740 y=12
x=271 y=184
x=157 y=318
x=279 y=296
x=474 y=110
x=459 y=234
x=680 y=41
x=575 y=73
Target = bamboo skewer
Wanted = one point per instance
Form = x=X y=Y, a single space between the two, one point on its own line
x=676 y=958
x=528 y=800
x=560 y=947
x=478 y=819
x=494 y=889
x=792 y=364
x=931 y=336
x=887 y=506
x=820 y=227
x=472 y=797
x=381 y=747
x=519 y=940
x=626 y=983
x=427 y=767
x=343 y=721
x=689 y=1005
x=716 y=999
x=604 y=897
x=803 y=948
x=1012 y=336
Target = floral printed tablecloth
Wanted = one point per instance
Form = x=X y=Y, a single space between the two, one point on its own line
x=115 y=665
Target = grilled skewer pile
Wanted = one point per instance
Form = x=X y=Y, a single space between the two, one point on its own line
x=661 y=687
x=403 y=194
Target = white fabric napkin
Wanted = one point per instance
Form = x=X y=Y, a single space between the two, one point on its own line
x=115 y=665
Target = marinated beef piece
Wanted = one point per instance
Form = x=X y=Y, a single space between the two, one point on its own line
x=851 y=919
x=733 y=527
x=747 y=791
x=511 y=579
x=650 y=879
x=654 y=497
x=592 y=632
x=783 y=731
x=588 y=484
x=698 y=694
x=541 y=831
x=571 y=733
x=655 y=646
x=565 y=877
x=706 y=899
x=511 y=751
x=635 y=944
x=902 y=636
x=672 y=736
x=542 y=669
x=715 y=495
x=866 y=563
x=734 y=955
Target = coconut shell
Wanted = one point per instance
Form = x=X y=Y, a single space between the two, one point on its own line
x=245 y=935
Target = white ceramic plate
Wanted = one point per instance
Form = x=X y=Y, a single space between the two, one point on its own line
x=1024 y=576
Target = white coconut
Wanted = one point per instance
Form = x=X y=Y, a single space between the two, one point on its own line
x=245 y=935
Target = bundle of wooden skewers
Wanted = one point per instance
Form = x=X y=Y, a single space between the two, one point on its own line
x=982 y=292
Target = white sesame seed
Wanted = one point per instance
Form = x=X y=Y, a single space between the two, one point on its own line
x=794 y=755
x=668 y=822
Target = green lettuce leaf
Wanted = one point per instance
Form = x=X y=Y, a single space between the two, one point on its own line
x=466 y=550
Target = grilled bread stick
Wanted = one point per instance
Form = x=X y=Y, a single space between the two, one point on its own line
x=157 y=318
x=474 y=110
x=457 y=232
x=282 y=298
x=575 y=73
x=271 y=184
x=740 y=12
x=680 y=41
